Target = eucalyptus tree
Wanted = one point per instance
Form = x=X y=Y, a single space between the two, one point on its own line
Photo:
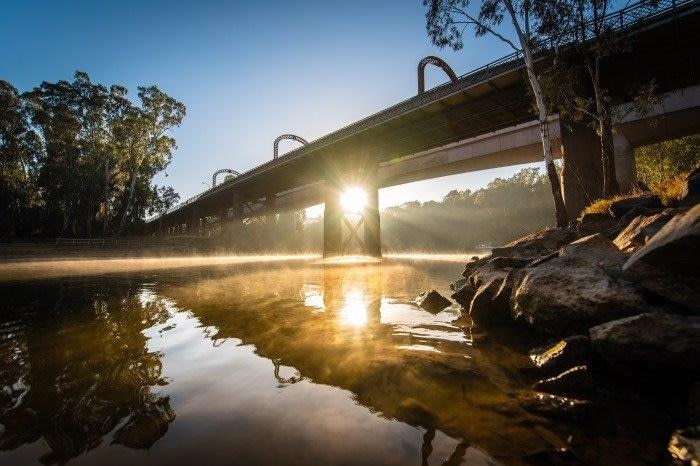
x=595 y=38
x=148 y=146
x=19 y=146
x=446 y=22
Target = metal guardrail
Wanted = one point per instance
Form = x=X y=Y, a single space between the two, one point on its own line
x=626 y=17
x=112 y=242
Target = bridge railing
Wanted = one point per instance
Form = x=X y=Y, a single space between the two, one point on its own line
x=615 y=21
x=113 y=242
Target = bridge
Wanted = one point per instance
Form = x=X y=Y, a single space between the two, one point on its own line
x=480 y=120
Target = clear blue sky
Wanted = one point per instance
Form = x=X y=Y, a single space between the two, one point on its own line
x=247 y=71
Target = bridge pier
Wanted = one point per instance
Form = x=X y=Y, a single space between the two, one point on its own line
x=625 y=168
x=332 y=219
x=373 y=245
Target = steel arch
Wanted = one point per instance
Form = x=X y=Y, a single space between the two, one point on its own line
x=293 y=137
x=223 y=170
x=437 y=61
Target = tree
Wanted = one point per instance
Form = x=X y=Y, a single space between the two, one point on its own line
x=594 y=40
x=446 y=22
x=148 y=145
x=19 y=146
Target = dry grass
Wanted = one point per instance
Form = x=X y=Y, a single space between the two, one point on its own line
x=602 y=206
x=669 y=193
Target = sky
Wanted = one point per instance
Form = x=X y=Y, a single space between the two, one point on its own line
x=247 y=71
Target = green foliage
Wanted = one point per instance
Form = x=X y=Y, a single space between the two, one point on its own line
x=77 y=155
x=661 y=165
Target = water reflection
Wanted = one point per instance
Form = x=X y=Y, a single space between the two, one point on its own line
x=291 y=363
x=76 y=367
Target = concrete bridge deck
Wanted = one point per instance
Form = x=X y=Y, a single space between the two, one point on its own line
x=480 y=120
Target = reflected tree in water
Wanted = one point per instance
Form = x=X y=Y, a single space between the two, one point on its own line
x=78 y=366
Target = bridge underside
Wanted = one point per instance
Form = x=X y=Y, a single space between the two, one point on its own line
x=460 y=127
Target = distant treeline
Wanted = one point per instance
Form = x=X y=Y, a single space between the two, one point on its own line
x=502 y=211
x=78 y=158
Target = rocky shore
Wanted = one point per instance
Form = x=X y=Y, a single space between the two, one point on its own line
x=615 y=299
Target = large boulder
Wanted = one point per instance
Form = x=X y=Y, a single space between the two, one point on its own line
x=537 y=244
x=640 y=229
x=667 y=264
x=464 y=295
x=691 y=189
x=621 y=207
x=581 y=288
x=650 y=345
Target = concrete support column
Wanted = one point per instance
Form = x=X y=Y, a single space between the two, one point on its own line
x=332 y=218
x=193 y=223
x=582 y=181
x=373 y=244
x=625 y=168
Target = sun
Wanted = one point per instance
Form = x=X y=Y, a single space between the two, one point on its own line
x=353 y=200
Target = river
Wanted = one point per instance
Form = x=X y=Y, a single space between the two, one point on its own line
x=288 y=361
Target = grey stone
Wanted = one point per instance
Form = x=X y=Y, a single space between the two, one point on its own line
x=580 y=288
x=668 y=263
x=649 y=345
x=640 y=229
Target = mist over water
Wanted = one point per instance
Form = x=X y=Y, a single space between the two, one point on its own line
x=265 y=360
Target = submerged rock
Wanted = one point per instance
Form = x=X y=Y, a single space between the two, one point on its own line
x=432 y=301
x=621 y=207
x=667 y=264
x=685 y=445
x=563 y=354
x=640 y=229
x=580 y=288
x=651 y=344
x=572 y=382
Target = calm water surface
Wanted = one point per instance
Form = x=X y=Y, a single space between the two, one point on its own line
x=288 y=362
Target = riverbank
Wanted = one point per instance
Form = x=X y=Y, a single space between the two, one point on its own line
x=614 y=300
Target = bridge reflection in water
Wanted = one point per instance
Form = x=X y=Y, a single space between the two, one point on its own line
x=285 y=363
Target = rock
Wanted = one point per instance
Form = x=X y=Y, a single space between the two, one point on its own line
x=474 y=264
x=537 y=244
x=560 y=408
x=650 y=345
x=492 y=294
x=464 y=295
x=640 y=229
x=621 y=207
x=564 y=354
x=458 y=284
x=592 y=223
x=667 y=264
x=694 y=403
x=685 y=445
x=572 y=382
x=432 y=301
x=691 y=189
x=580 y=288
x=596 y=250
